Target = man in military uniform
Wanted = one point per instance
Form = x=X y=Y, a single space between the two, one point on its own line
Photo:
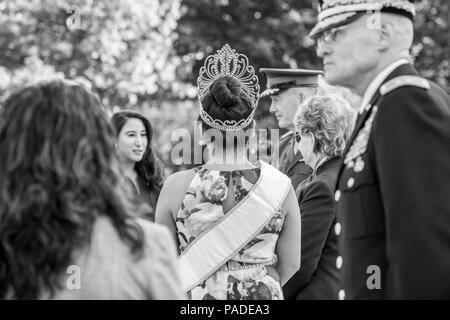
x=393 y=207
x=288 y=88
x=317 y=278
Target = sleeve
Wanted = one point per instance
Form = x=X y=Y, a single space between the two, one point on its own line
x=411 y=139
x=317 y=215
x=164 y=280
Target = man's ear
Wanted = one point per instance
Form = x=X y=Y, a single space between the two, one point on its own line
x=302 y=97
x=386 y=34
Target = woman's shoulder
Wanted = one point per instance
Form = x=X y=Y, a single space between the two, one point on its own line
x=158 y=268
x=158 y=242
x=177 y=183
x=153 y=231
x=179 y=178
x=330 y=174
x=105 y=232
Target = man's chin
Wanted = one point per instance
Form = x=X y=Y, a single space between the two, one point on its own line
x=332 y=78
x=285 y=125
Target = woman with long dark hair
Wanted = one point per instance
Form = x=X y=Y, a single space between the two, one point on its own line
x=64 y=229
x=140 y=167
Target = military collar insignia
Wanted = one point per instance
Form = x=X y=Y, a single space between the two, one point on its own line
x=359 y=145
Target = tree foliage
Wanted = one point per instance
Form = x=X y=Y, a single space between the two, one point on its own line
x=145 y=54
x=274 y=34
x=121 y=48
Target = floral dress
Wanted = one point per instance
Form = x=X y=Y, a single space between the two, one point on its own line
x=250 y=275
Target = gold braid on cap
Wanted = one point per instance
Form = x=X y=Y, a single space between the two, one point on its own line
x=226 y=62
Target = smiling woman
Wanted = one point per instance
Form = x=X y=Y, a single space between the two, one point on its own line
x=140 y=167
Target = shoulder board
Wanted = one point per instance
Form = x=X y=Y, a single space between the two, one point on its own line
x=401 y=81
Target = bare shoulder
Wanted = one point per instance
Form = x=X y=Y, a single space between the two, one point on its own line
x=154 y=232
x=174 y=189
x=158 y=241
x=179 y=181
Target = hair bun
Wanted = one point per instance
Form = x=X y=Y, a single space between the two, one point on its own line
x=226 y=91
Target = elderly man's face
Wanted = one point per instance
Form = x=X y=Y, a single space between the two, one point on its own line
x=284 y=106
x=350 y=53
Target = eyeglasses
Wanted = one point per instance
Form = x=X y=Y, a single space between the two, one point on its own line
x=330 y=36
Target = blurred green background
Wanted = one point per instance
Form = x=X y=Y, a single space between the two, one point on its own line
x=145 y=54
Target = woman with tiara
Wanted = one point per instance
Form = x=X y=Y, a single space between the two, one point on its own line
x=236 y=222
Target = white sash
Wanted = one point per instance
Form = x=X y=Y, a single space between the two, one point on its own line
x=242 y=223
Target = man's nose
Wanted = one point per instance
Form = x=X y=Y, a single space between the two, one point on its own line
x=322 y=49
x=272 y=108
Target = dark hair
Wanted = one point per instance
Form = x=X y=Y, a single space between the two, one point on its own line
x=58 y=174
x=226 y=101
x=149 y=169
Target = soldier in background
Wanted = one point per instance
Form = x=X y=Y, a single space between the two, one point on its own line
x=288 y=88
x=392 y=199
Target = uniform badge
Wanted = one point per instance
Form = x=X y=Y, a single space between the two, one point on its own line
x=351 y=164
x=359 y=165
x=359 y=145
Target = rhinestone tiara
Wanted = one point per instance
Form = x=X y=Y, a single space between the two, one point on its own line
x=226 y=62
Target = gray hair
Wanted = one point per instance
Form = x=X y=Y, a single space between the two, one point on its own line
x=330 y=119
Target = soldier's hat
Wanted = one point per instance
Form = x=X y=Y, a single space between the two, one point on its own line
x=335 y=13
x=280 y=80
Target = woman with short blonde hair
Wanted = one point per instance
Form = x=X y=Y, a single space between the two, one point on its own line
x=327 y=120
x=324 y=125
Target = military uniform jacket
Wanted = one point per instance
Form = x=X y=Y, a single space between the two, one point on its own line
x=318 y=277
x=292 y=164
x=393 y=200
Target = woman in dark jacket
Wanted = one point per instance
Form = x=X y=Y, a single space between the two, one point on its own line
x=323 y=124
x=140 y=167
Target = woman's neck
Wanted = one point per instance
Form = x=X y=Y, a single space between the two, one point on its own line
x=229 y=157
x=128 y=169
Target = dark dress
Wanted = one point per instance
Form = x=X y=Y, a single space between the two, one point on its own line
x=393 y=205
x=318 y=277
x=146 y=196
